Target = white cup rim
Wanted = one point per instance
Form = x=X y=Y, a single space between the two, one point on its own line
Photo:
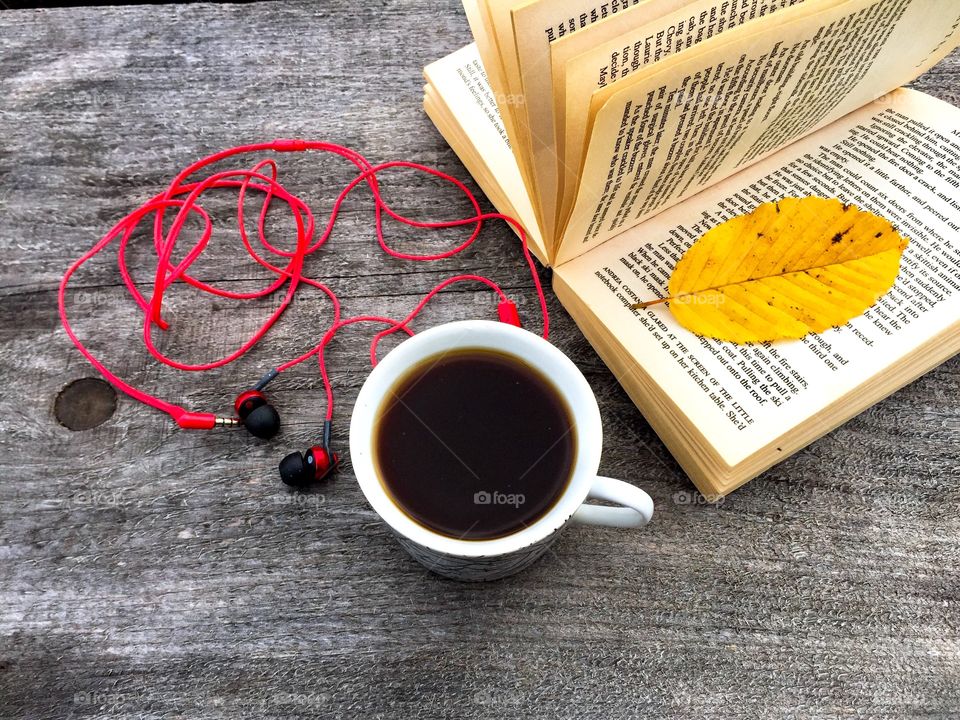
x=533 y=349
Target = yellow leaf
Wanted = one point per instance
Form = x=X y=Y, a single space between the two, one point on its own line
x=788 y=268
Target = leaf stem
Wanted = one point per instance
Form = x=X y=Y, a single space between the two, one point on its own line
x=648 y=303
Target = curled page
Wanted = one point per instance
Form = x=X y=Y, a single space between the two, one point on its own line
x=697 y=117
x=667 y=28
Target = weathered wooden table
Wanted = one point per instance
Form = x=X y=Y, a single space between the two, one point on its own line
x=152 y=572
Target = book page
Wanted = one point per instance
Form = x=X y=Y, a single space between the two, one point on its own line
x=677 y=129
x=899 y=158
x=580 y=69
x=459 y=83
x=536 y=25
x=485 y=38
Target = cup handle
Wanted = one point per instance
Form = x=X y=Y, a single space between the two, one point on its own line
x=636 y=511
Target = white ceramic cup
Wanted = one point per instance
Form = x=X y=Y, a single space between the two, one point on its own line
x=502 y=556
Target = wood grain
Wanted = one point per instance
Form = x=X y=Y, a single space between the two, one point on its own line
x=153 y=573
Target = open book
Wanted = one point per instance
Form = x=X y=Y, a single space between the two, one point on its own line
x=619 y=131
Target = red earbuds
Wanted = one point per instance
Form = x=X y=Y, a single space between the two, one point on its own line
x=257 y=415
x=181 y=200
x=314 y=465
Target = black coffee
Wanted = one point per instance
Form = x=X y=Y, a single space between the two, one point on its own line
x=474 y=444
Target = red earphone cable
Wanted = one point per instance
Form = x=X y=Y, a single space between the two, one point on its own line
x=183 y=198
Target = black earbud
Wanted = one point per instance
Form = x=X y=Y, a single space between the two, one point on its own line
x=257 y=415
x=301 y=469
x=314 y=465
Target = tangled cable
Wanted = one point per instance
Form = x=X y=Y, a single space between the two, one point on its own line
x=182 y=198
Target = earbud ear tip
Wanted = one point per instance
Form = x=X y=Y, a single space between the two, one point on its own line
x=263 y=421
x=294 y=470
